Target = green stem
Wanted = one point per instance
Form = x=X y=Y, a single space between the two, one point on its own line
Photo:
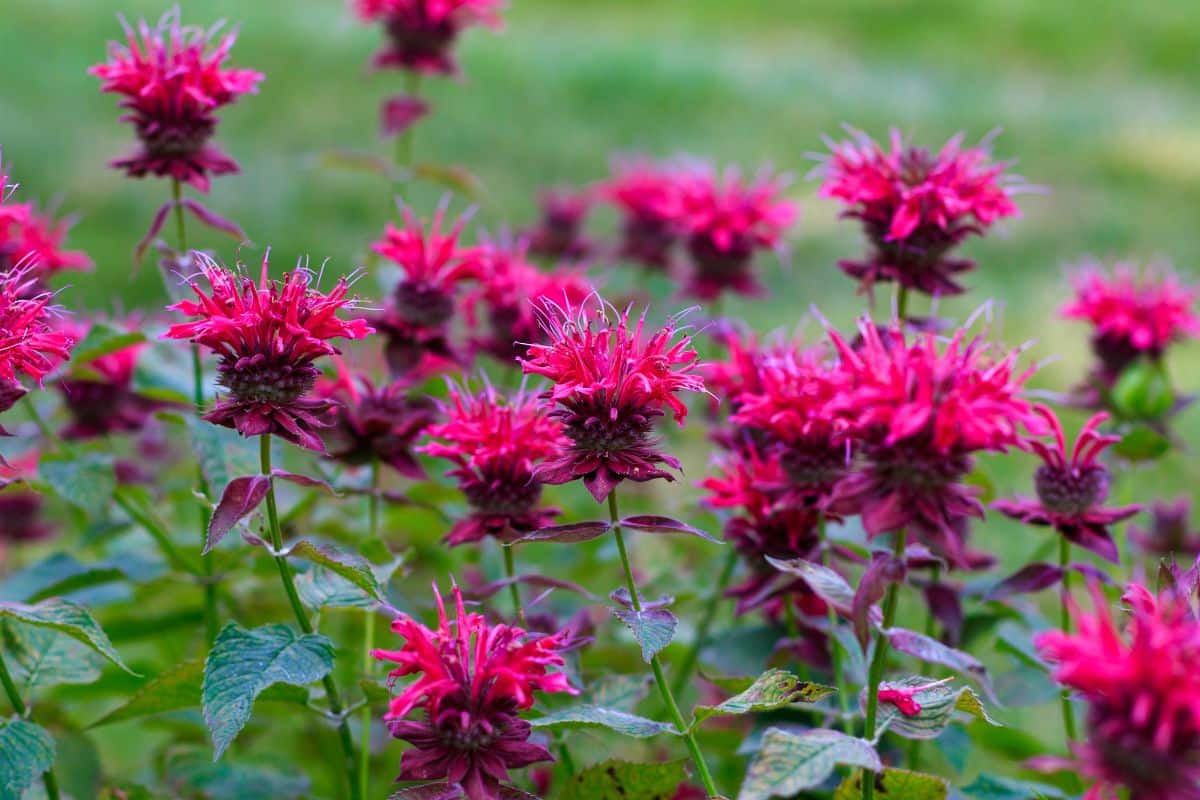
x=835 y=648
x=289 y=587
x=368 y=643
x=706 y=621
x=879 y=662
x=1064 y=558
x=664 y=687
x=514 y=591
x=404 y=142
x=901 y=303
x=18 y=704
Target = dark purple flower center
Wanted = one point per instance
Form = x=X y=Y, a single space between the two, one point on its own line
x=507 y=494
x=814 y=466
x=916 y=468
x=596 y=430
x=1070 y=491
x=647 y=239
x=423 y=304
x=274 y=380
x=714 y=263
x=175 y=139
x=415 y=35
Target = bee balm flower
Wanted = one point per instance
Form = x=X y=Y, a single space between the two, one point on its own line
x=421 y=33
x=29 y=345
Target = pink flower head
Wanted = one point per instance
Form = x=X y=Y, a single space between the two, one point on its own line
x=267 y=334
x=494 y=444
x=1071 y=489
x=559 y=232
x=417 y=318
x=1143 y=694
x=474 y=678
x=173 y=83
x=376 y=423
x=725 y=221
x=1170 y=532
x=35 y=239
x=421 y=33
x=915 y=206
x=649 y=198
x=610 y=382
x=29 y=344
x=917 y=411
x=1132 y=315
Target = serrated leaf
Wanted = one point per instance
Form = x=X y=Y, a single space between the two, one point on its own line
x=790 y=762
x=44 y=657
x=567 y=534
x=68 y=618
x=622 y=780
x=26 y=751
x=654 y=628
x=773 y=689
x=931 y=650
x=244 y=662
x=992 y=787
x=85 y=480
x=656 y=524
x=585 y=716
x=239 y=499
x=222 y=453
x=195 y=774
x=895 y=784
x=102 y=340
x=827 y=584
x=350 y=566
x=937 y=702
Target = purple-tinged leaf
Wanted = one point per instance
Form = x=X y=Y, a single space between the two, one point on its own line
x=827 y=584
x=305 y=480
x=918 y=556
x=621 y=595
x=653 y=628
x=241 y=496
x=156 y=225
x=883 y=571
x=400 y=112
x=571 y=533
x=946 y=607
x=452 y=176
x=1092 y=573
x=488 y=590
x=931 y=650
x=1030 y=578
x=654 y=524
x=213 y=220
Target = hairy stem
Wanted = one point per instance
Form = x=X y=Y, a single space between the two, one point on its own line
x=879 y=662
x=289 y=587
x=664 y=687
x=710 y=613
x=18 y=704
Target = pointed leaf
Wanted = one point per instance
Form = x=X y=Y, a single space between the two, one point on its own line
x=653 y=524
x=773 y=689
x=45 y=657
x=622 y=780
x=351 y=566
x=1030 y=578
x=882 y=572
x=584 y=716
x=213 y=220
x=156 y=225
x=85 y=480
x=931 y=650
x=69 y=618
x=991 y=787
x=223 y=454
x=937 y=704
x=240 y=498
x=790 y=762
x=323 y=588
x=452 y=177
x=306 y=481
x=620 y=692
x=654 y=628
x=361 y=162
x=193 y=773
x=827 y=584
x=242 y=663
x=574 y=532
x=489 y=590
x=26 y=751
x=896 y=784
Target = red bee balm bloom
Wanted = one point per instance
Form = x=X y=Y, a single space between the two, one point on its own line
x=474 y=680
x=1170 y=530
x=268 y=335
x=494 y=446
x=559 y=233
x=917 y=411
x=648 y=197
x=1132 y=315
x=1143 y=695
x=1071 y=490
x=173 y=84
x=915 y=206
x=35 y=239
x=422 y=32
x=28 y=344
x=726 y=220
x=609 y=386
x=377 y=422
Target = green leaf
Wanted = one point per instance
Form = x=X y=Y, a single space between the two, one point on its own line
x=619 y=692
x=773 y=689
x=1143 y=391
x=45 y=657
x=102 y=340
x=350 y=566
x=453 y=177
x=585 y=716
x=1142 y=443
x=790 y=762
x=68 y=618
x=85 y=480
x=991 y=787
x=654 y=628
x=896 y=784
x=938 y=703
x=622 y=780
x=242 y=663
x=26 y=751
x=323 y=588
x=222 y=453
x=61 y=574
x=191 y=771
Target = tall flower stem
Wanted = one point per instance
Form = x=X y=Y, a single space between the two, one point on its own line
x=879 y=662
x=514 y=591
x=914 y=745
x=901 y=303
x=706 y=621
x=18 y=704
x=835 y=647
x=368 y=643
x=664 y=688
x=289 y=587
x=1064 y=559
x=404 y=142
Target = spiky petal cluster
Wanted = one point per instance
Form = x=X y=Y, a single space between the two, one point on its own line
x=29 y=345
x=474 y=679
x=725 y=220
x=416 y=321
x=494 y=444
x=172 y=80
x=377 y=423
x=610 y=382
x=1071 y=488
x=267 y=335
x=558 y=234
x=34 y=238
x=915 y=206
x=649 y=200
x=1143 y=694
x=421 y=33
x=917 y=411
x=1132 y=315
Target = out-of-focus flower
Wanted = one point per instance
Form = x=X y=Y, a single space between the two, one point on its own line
x=21 y=517
x=559 y=232
x=917 y=411
x=1143 y=694
x=1170 y=531
x=267 y=334
x=29 y=344
x=915 y=206
x=401 y=112
x=1071 y=489
x=416 y=321
x=474 y=679
x=1132 y=315
x=376 y=423
x=494 y=444
x=172 y=80
x=34 y=239
x=610 y=382
x=725 y=221
x=421 y=33
x=649 y=199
